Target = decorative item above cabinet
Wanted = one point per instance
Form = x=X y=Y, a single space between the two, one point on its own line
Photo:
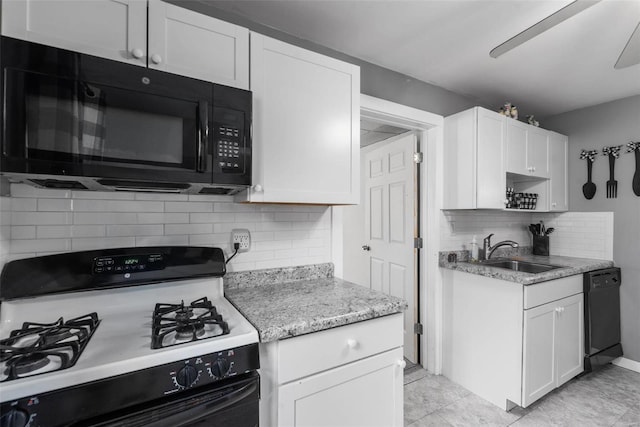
x=150 y=34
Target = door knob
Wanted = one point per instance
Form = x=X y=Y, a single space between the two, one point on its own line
x=366 y=247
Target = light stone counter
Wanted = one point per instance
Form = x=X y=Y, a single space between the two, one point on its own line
x=570 y=266
x=281 y=304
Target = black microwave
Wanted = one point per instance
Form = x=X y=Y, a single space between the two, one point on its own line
x=71 y=120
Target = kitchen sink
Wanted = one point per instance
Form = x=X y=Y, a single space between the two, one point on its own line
x=524 y=266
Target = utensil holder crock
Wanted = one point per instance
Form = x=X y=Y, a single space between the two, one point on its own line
x=541 y=245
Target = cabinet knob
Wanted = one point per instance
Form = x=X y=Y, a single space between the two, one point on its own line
x=257 y=188
x=137 y=53
x=402 y=364
x=533 y=169
x=156 y=59
x=351 y=343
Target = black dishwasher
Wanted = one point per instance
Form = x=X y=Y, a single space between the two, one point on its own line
x=601 y=317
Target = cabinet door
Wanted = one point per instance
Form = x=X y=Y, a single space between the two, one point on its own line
x=516 y=147
x=343 y=396
x=306 y=125
x=539 y=358
x=570 y=338
x=191 y=44
x=490 y=179
x=537 y=151
x=558 y=145
x=112 y=29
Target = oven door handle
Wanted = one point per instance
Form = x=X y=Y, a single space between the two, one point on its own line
x=203 y=136
x=189 y=417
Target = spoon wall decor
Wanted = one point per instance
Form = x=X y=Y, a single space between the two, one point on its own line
x=589 y=188
x=635 y=184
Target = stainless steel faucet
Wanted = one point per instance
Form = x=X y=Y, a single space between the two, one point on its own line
x=487 y=249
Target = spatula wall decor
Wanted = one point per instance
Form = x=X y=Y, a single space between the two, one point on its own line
x=634 y=147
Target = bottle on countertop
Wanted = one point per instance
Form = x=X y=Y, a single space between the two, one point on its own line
x=474 y=249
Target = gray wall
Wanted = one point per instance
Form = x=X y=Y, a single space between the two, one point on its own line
x=375 y=80
x=604 y=125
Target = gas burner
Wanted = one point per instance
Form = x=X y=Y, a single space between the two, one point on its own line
x=175 y=324
x=44 y=347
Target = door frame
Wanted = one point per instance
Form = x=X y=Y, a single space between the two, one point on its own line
x=429 y=128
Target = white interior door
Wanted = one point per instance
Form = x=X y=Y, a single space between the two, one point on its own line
x=390 y=219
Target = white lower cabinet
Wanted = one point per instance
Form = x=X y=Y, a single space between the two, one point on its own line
x=553 y=346
x=337 y=397
x=512 y=344
x=346 y=376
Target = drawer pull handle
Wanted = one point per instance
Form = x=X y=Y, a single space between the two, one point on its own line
x=351 y=343
x=402 y=364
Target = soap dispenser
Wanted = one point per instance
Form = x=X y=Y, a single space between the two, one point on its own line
x=474 y=249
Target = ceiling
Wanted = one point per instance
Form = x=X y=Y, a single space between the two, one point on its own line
x=447 y=43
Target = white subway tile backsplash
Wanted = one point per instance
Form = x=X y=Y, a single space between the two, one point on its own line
x=163 y=218
x=40 y=218
x=83 y=244
x=187 y=229
x=95 y=195
x=104 y=218
x=39 y=245
x=25 y=205
x=22 y=190
x=38 y=221
x=23 y=231
x=54 y=205
x=135 y=230
x=188 y=207
x=196 y=218
x=162 y=240
x=569 y=239
x=291 y=216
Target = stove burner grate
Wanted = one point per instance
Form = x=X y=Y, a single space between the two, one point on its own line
x=44 y=347
x=175 y=324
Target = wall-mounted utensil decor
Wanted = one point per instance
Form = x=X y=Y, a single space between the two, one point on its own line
x=589 y=188
x=634 y=147
x=612 y=185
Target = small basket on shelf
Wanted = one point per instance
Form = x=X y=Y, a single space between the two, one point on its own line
x=526 y=200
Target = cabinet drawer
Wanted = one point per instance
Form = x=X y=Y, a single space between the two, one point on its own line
x=311 y=353
x=544 y=292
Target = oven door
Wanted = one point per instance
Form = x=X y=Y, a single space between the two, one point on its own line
x=232 y=405
x=76 y=115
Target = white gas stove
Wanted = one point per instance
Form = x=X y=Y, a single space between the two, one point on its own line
x=196 y=338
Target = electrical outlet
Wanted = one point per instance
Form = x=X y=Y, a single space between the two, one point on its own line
x=242 y=236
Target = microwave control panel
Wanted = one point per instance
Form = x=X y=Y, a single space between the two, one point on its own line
x=229 y=150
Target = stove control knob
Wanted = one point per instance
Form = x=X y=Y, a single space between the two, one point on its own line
x=187 y=376
x=14 y=418
x=220 y=368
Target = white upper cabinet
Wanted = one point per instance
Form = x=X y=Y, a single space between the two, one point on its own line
x=179 y=41
x=113 y=29
x=473 y=160
x=558 y=146
x=526 y=149
x=306 y=131
x=199 y=46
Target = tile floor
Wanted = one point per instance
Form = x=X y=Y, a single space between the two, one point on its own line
x=607 y=397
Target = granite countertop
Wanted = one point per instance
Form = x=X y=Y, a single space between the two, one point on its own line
x=570 y=266
x=279 y=304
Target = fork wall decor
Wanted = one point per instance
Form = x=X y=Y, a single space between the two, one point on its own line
x=612 y=185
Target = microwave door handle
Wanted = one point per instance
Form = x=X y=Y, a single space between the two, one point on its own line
x=203 y=135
